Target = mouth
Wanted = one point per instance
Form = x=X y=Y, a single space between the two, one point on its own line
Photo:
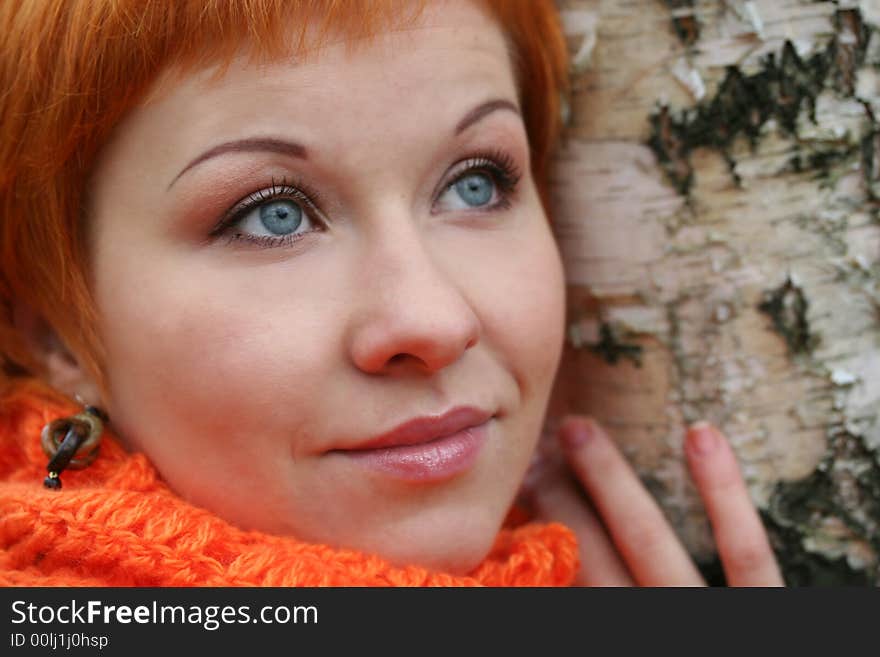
x=426 y=449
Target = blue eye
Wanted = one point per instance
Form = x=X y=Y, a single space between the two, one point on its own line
x=485 y=182
x=475 y=189
x=276 y=216
x=281 y=217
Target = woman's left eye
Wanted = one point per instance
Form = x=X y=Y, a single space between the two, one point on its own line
x=486 y=183
x=475 y=189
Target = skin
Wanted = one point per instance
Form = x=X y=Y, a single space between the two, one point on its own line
x=240 y=371
x=623 y=536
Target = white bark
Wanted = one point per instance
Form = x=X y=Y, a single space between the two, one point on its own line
x=684 y=279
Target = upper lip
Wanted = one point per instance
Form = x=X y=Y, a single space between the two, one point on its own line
x=427 y=428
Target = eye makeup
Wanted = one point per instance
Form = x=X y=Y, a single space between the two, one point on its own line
x=497 y=164
x=296 y=192
x=501 y=168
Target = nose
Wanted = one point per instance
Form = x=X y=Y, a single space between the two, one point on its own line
x=411 y=313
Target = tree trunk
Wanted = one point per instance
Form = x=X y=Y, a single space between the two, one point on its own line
x=717 y=203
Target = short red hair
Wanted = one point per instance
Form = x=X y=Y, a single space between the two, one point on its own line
x=71 y=69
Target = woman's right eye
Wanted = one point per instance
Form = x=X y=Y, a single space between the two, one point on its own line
x=274 y=218
x=270 y=218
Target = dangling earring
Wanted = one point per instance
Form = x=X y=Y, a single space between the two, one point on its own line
x=72 y=442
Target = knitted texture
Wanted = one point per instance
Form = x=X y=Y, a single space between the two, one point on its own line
x=116 y=523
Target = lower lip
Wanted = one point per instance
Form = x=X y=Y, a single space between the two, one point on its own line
x=432 y=461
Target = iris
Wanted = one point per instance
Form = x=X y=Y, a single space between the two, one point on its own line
x=281 y=217
x=475 y=189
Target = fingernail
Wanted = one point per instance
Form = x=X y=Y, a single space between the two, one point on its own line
x=577 y=433
x=702 y=438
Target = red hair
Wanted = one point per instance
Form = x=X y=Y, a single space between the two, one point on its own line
x=71 y=69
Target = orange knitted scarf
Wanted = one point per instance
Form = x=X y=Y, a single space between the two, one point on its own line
x=116 y=523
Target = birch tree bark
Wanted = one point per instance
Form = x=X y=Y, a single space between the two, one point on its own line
x=717 y=203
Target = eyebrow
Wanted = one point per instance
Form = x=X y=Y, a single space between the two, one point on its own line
x=257 y=144
x=482 y=110
x=293 y=149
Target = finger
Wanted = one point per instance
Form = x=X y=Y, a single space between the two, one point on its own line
x=742 y=542
x=555 y=498
x=638 y=528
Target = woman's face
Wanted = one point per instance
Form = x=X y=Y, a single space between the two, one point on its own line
x=294 y=260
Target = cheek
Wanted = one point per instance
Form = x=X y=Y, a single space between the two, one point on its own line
x=204 y=357
x=525 y=295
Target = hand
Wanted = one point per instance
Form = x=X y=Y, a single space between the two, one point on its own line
x=624 y=538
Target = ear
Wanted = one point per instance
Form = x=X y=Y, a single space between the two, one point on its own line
x=62 y=370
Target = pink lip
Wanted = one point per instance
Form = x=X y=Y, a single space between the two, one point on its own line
x=427 y=448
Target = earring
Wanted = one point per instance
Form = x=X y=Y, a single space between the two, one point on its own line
x=72 y=442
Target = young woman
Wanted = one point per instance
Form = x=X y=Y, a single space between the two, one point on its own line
x=301 y=257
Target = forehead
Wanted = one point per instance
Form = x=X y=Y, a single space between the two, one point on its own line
x=451 y=43
x=406 y=80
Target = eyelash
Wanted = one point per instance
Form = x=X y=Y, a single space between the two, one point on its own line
x=498 y=164
x=297 y=191
x=501 y=168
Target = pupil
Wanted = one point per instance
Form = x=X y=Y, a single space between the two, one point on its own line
x=281 y=217
x=475 y=189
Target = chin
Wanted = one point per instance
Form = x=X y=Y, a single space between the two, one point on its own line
x=458 y=558
x=456 y=544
